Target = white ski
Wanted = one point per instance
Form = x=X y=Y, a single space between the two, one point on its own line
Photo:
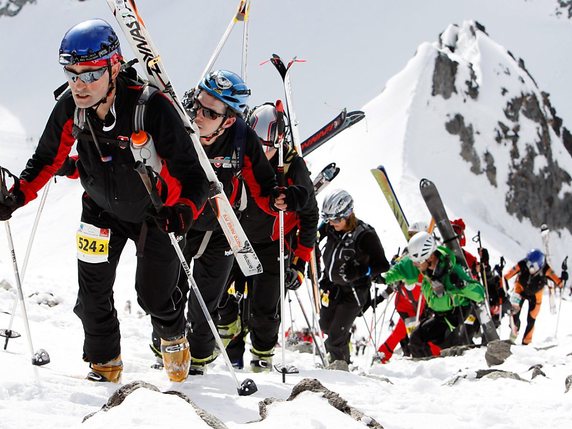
x=132 y=25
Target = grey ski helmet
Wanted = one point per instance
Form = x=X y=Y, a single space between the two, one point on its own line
x=269 y=124
x=421 y=246
x=337 y=205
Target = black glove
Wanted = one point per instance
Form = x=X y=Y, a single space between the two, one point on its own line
x=296 y=197
x=68 y=168
x=564 y=276
x=177 y=219
x=294 y=274
x=484 y=253
x=350 y=271
x=9 y=203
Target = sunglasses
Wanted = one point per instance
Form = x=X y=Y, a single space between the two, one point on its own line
x=207 y=113
x=335 y=220
x=86 y=77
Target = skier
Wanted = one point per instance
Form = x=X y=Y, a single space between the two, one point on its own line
x=98 y=111
x=218 y=108
x=407 y=305
x=499 y=303
x=533 y=274
x=447 y=289
x=260 y=310
x=352 y=256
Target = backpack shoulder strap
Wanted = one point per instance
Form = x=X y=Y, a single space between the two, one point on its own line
x=140 y=107
x=239 y=143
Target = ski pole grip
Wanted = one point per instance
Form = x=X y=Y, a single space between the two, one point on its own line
x=146 y=178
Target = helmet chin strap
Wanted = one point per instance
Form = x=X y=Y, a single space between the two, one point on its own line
x=216 y=132
x=110 y=88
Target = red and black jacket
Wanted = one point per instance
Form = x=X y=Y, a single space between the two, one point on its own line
x=251 y=168
x=262 y=226
x=115 y=186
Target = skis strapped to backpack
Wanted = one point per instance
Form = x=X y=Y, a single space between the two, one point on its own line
x=331 y=129
x=325 y=177
x=450 y=239
x=125 y=11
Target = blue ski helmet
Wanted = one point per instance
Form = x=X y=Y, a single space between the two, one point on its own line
x=90 y=43
x=229 y=88
x=535 y=260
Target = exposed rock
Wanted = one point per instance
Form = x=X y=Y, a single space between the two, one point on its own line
x=456 y=350
x=444 y=76
x=465 y=132
x=496 y=374
x=565 y=7
x=497 y=352
x=568 y=383
x=335 y=400
x=5 y=284
x=339 y=365
x=13 y=7
x=120 y=394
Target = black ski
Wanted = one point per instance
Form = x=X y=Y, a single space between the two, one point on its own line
x=450 y=239
x=331 y=129
x=325 y=177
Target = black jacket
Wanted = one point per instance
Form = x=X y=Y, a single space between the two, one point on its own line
x=360 y=247
x=262 y=226
x=115 y=186
x=255 y=172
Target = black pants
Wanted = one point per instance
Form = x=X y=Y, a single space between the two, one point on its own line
x=210 y=271
x=260 y=310
x=444 y=330
x=156 y=279
x=336 y=321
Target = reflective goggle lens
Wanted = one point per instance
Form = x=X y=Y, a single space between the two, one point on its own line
x=86 y=77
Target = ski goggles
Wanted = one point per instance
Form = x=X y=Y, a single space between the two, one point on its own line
x=333 y=219
x=86 y=77
x=207 y=112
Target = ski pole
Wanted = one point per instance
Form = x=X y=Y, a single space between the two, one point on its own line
x=564 y=269
x=245 y=16
x=41 y=357
x=9 y=332
x=247 y=387
x=371 y=338
x=240 y=15
x=314 y=337
x=281 y=184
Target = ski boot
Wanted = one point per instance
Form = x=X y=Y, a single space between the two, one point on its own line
x=106 y=372
x=261 y=361
x=176 y=358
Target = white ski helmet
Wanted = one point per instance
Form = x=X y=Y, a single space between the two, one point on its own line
x=421 y=246
x=268 y=123
x=338 y=204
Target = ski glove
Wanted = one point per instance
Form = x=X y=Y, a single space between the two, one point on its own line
x=564 y=277
x=176 y=219
x=350 y=271
x=68 y=168
x=294 y=275
x=295 y=197
x=9 y=203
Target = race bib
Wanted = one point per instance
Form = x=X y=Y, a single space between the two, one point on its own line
x=92 y=243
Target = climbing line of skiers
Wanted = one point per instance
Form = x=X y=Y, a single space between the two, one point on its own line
x=101 y=113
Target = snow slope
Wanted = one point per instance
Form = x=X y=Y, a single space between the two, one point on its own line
x=395 y=133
